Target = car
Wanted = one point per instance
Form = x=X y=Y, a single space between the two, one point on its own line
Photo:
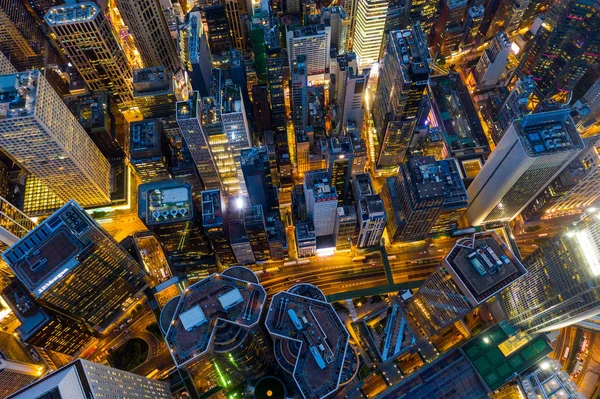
x=129 y=320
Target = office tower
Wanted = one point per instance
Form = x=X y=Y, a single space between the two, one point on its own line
x=313 y=42
x=394 y=20
x=292 y=316
x=14 y=224
x=6 y=67
x=89 y=260
x=51 y=145
x=532 y=152
x=21 y=37
x=515 y=106
x=155 y=92
x=256 y=229
x=369 y=210
x=561 y=287
x=82 y=378
x=189 y=114
x=256 y=169
x=43 y=327
x=146 y=151
x=350 y=87
x=299 y=85
x=476 y=269
x=513 y=20
x=549 y=372
x=259 y=32
x=563 y=49
x=180 y=161
x=219 y=146
x=219 y=33
x=237 y=15
x=367 y=36
x=493 y=61
x=423 y=190
x=306 y=239
x=339 y=21
x=215 y=223
x=16 y=375
x=338 y=158
x=452 y=15
x=276 y=237
x=262 y=111
x=345 y=226
x=146 y=21
x=89 y=42
x=321 y=201
x=195 y=52
x=167 y=209
x=588 y=121
x=472 y=23
x=221 y=309
x=401 y=85
x=240 y=242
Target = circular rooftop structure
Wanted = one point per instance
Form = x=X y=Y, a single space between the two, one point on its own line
x=241 y=273
x=269 y=388
x=309 y=291
x=167 y=312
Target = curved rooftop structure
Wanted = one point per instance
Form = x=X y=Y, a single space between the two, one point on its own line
x=208 y=306
x=308 y=332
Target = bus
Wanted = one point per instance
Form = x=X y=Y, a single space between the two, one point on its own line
x=566 y=354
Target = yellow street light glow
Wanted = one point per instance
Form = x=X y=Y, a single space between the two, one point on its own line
x=590 y=251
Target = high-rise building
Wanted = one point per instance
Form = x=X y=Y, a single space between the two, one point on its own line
x=50 y=145
x=146 y=151
x=563 y=49
x=43 y=327
x=345 y=227
x=237 y=15
x=338 y=19
x=240 y=242
x=292 y=316
x=472 y=23
x=306 y=239
x=549 y=372
x=401 y=85
x=73 y=257
x=216 y=226
x=219 y=314
x=16 y=375
x=515 y=106
x=417 y=198
x=424 y=12
x=321 y=201
x=256 y=169
x=21 y=37
x=561 y=287
x=532 y=152
x=256 y=229
x=155 y=92
x=338 y=158
x=195 y=52
x=189 y=119
x=452 y=15
x=262 y=110
x=299 y=89
x=146 y=21
x=477 y=268
x=350 y=86
x=219 y=33
x=313 y=42
x=371 y=16
x=167 y=209
x=513 y=20
x=591 y=102
x=370 y=211
x=90 y=44
x=493 y=61
x=82 y=378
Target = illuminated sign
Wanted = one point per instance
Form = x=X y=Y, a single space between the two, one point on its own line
x=53 y=280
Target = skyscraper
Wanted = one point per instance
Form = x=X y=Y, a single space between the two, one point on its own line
x=189 y=119
x=345 y=227
x=216 y=226
x=167 y=209
x=400 y=88
x=471 y=24
x=476 y=268
x=453 y=15
x=563 y=49
x=155 y=92
x=89 y=42
x=74 y=257
x=82 y=379
x=493 y=61
x=300 y=94
x=515 y=106
x=370 y=211
x=321 y=201
x=562 y=286
x=146 y=151
x=146 y=20
x=312 y=41
x=20 y=36
x=367 y=37
x=256 y=169
x=16 y=375
x=50 y=145
x=219 y=35
x=338 y=160
x=532 y=152
x=350 y=87
x=256 y=229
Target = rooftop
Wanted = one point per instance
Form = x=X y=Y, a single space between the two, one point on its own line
x=426 y=177
x=72 y=13
x=18 y=92
x=152 y=81
x=412 y=52
x=305 y=231
x=218 y=298
x=548 y=132
x=364 y=185
x=309 y=30
x=145 y=139
x=90 y=110
x=187 y=109
x=165 y=202
x=314 y=328
x=372 y=205
x=493 y=366
x=212 y=212
x=483 y=265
